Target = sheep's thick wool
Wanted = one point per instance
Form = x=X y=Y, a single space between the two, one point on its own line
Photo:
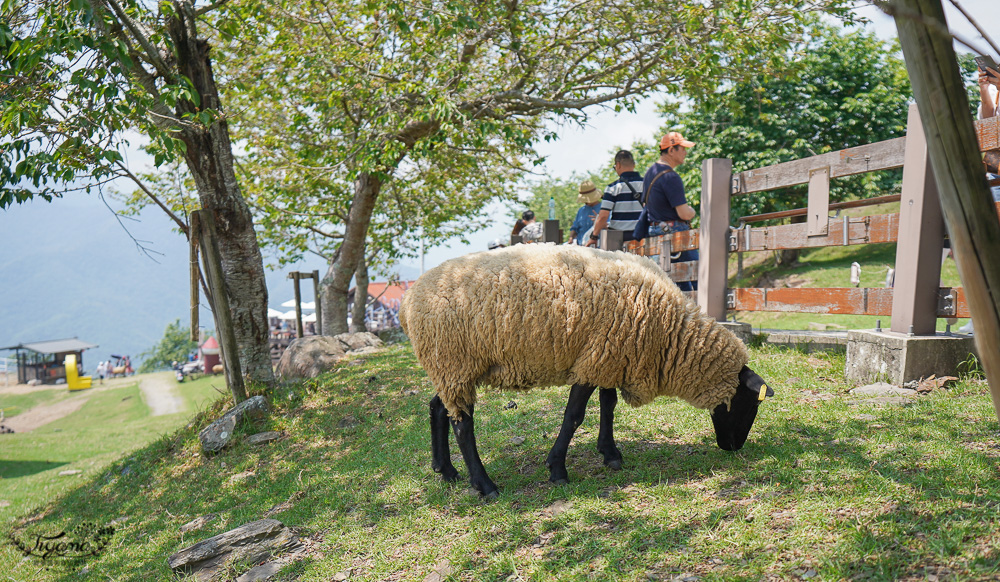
x=545 y=315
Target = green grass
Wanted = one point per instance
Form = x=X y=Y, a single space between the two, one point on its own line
x=848 y=491
x=14 y=404
x=111 y=423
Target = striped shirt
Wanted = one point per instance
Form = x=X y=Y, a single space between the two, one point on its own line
x=623 y=204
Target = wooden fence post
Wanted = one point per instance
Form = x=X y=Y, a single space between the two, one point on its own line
x=958 y=170
x=551 y=232
x=612 y=240
x=319 y=306
x=919 y=242
x=220 y=307
x=713 y=243
x=299 y=329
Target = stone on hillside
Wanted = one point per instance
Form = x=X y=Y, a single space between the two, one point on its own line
x=70 y=472
x=198 y=523
x=309 y=357
x=253 y=542
x=262 y=572
x=218 y=434
x=882 y=389
x=263 y=437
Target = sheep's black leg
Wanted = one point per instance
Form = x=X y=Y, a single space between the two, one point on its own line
x=606 y=437
x=576 y=409
x=465 y=434
x=440 y=452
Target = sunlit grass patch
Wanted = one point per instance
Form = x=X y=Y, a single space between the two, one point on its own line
x=825 y=486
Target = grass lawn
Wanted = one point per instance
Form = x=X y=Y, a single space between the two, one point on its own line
x=825 y=489
x=111 y=423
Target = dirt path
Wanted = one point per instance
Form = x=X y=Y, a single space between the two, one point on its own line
x=160 y=395
x=38 y=416
x=158 y=391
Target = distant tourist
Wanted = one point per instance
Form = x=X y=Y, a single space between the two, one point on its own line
x=532 y=231
x=989 y=89
x=590 y=197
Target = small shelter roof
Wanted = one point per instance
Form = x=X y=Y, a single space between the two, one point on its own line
x=389 y=295
x=211 y=346
x=59 y=346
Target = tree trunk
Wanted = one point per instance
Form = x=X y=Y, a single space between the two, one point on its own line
x=360 y=295
x=209 y=158
x=337 y=281
x=958 y=170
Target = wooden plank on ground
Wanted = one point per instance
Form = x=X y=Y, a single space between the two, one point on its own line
x=884 y=155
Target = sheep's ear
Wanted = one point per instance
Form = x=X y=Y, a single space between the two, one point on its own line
x=754 y=383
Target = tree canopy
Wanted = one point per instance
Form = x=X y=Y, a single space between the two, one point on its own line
x=441 y=102
x=840 y=89
x=79 y=75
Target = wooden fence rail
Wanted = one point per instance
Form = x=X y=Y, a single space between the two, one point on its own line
x=916 y=300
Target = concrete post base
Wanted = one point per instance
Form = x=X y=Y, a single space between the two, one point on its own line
x=897 y=358
x=744 y=331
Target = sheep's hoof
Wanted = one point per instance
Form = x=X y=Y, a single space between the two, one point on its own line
x=560 y=481
x=614 y=464
x=448 y=474
x=492 y=495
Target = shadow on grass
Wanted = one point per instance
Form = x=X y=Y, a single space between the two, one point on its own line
x=355 y=471
x=14 y=469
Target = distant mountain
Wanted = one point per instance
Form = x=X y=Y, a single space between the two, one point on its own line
x=69 y=269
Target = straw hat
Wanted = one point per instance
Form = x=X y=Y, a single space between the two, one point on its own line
x=588 y=193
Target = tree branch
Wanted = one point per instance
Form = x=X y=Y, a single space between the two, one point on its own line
x=206 y=9
x=180 y=223
x=152 y=55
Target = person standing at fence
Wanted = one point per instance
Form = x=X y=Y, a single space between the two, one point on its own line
x=989 y=93
x=520 y=224
x=590 y=197
x=620 y=205
x=666 y=203
x=532 y=231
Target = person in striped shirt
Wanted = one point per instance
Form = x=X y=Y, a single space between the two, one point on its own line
x=620 y=205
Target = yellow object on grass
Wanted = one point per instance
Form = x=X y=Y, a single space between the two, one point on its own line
x=73 y=378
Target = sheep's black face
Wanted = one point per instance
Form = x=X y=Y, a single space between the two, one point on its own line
x=733 y=426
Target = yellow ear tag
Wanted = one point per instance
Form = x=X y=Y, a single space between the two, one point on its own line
x=763 y=393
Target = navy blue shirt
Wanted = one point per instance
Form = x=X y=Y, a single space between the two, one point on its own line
x=667 y=193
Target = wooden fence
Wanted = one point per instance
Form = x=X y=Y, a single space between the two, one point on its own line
x=916 y=300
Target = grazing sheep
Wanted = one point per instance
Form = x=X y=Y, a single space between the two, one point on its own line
x=544 y=315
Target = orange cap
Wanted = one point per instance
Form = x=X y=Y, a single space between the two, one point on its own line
x=674 y=138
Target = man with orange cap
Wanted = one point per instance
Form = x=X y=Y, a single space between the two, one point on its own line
x=666 y=204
